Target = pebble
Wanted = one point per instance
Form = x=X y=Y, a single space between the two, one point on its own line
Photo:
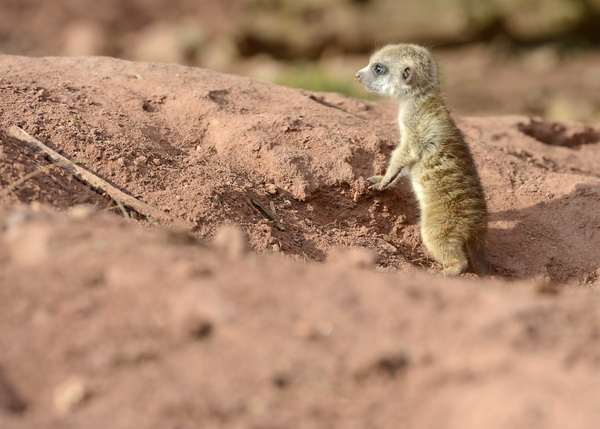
x=70 y=394
x=196 y=326
x=312 y=331
x=271 y=188
x=82 y=211
x=230 y=239
x=9 y=398
x=388 y=247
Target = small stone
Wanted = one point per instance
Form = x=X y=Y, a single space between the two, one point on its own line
x=281 y=379
x=388 y=247
x=10 y=400
x=140 y=160
x=197 y=327
x=42 y=94
x=70 y=394
x=387 y=365
x=312 y=331
x=230 y=239
x=271 y=188
x=82 y=211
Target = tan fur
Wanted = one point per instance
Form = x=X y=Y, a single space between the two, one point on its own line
x=433 y=153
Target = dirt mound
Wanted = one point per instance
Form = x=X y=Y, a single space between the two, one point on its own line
x=138 y=325
x=203 y=146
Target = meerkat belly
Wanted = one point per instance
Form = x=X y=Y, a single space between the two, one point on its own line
x=443 y=197
x=417 y=185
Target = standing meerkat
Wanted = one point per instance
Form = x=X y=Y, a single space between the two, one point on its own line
x=432 y=151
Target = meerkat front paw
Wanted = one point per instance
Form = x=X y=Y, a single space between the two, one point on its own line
x=378 y=184
x=375 y=179
x=377 y=187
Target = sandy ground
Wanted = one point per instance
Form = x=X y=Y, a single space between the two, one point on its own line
x=334 y=317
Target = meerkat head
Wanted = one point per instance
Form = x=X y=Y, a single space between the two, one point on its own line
x=397 y=71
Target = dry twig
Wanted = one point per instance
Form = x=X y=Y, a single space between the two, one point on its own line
x=268 y=214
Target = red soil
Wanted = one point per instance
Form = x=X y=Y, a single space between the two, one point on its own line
x=108 y=322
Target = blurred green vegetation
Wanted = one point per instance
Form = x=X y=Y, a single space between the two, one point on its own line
x=315 y=76
x=303 y=36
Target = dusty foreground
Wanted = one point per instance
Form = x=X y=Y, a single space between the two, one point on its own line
x=121 y=323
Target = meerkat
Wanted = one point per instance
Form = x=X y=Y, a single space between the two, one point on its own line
x=433 y=153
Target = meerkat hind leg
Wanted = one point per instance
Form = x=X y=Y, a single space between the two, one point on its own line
x=451 y=255
x=456 y=268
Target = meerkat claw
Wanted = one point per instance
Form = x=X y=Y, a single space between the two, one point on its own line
x=375 y=179
x=381 y=186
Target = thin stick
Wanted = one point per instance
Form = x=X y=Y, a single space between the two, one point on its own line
x=122 y=208
x=150 y=212
x=267 y=213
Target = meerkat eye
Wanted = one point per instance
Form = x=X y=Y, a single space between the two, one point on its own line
x=378 y=69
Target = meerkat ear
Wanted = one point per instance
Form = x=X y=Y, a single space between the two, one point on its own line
x=407 y=74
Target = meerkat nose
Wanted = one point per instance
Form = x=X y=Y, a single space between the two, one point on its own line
x=357 y=75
